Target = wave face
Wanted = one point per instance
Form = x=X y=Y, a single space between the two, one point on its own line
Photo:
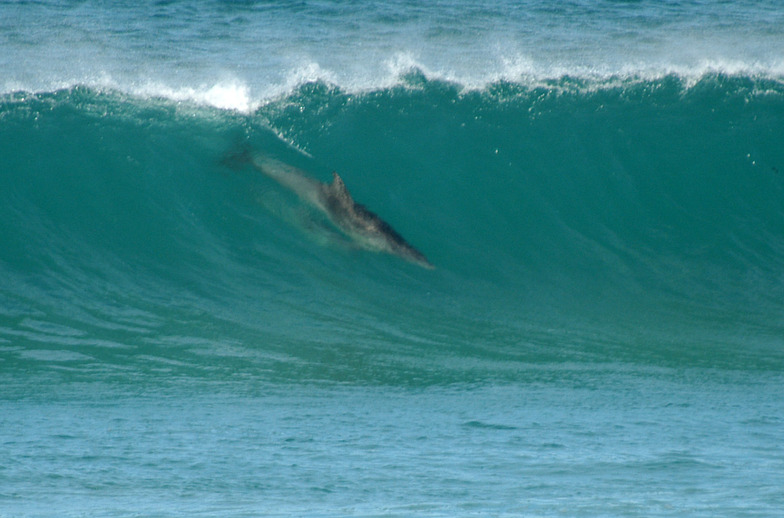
x=622 y=220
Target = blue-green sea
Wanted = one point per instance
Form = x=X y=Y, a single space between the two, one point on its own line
x=599 y=186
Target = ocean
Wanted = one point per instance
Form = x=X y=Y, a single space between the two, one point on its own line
x=598 y=184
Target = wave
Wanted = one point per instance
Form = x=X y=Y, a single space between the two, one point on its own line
x=614 y=220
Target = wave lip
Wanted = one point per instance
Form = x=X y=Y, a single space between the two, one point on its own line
x=404 y=70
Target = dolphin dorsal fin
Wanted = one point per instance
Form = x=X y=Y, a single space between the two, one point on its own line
x=338 y=188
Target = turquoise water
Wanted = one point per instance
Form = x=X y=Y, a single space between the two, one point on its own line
x=599 y=187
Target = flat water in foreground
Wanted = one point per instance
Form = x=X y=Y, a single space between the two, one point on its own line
x=590 y=441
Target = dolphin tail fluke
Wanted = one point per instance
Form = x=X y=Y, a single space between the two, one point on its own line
x=237 y=157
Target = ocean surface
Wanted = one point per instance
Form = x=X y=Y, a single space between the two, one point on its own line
x=599 y=185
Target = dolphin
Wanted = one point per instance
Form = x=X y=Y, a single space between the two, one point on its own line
x=333 y=199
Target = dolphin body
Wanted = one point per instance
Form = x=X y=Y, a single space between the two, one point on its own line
x=334 y=200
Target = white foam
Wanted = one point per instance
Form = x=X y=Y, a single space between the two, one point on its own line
x=226 y=95
x=245 y=95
